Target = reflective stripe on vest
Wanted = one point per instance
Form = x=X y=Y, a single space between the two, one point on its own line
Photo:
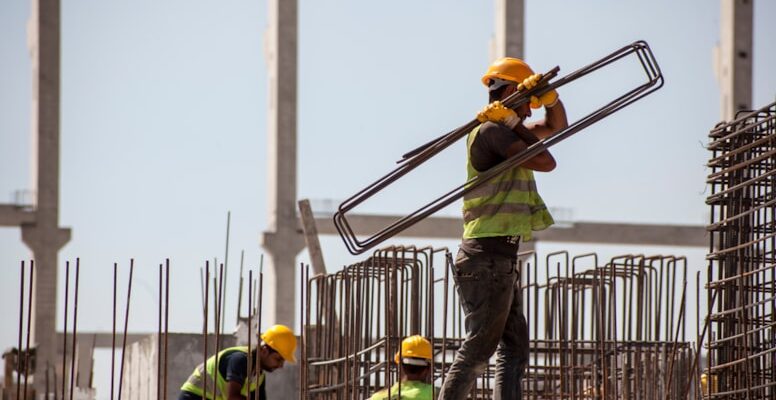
x=195 y=383
x=410 y=390
x=506 y=205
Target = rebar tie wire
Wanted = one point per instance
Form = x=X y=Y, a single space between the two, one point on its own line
x=416 y=157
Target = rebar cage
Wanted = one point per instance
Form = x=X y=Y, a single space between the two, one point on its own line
x=742 y=262
x=607 y=331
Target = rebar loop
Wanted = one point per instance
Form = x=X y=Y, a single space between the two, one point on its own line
x=653 y=81
x=742 y=257
x=596 y=331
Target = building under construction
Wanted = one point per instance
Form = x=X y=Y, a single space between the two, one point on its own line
x=626 y=326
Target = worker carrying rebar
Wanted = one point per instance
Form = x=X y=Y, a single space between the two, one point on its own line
x=414 y=360
x=497 y=216
x=235 y=378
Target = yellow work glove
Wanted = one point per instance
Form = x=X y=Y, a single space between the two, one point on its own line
x=497 y=112
x=548 y=99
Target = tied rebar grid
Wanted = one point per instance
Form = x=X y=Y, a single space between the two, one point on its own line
x=611 y=331
x=356 y=318
x=597 y=332
x=742 y=263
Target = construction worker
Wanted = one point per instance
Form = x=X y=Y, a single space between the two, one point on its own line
x=497 y=215
x=415 y=363
x=233 y=381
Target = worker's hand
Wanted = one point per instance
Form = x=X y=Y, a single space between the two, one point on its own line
x=548 y=99
x=497 y=112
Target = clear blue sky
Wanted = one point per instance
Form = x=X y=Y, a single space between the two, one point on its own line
x=164 y=122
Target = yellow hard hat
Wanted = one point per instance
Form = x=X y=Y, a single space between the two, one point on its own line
x=281 y=339
x=414 y=348
x=508 y=69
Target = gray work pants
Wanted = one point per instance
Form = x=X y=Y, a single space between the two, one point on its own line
x=489 y=292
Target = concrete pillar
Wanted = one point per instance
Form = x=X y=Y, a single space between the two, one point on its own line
x=509 y=37
x=734 y=57
x=282 y=240
x=44 y=237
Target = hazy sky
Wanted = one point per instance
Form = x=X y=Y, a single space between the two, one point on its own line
x=163 y=123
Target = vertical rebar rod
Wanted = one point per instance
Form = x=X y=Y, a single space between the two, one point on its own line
x=251 y=357
x=29 y=320
x=226 y=270
x=301 y=325
x=159 y=340
x=113 y=332
x=219 y=302
x=259 y=296
x=126 y=323
x=166 y=320
x=240 y=287
x=21 y=327
x=64 y=331
x=73 y=371
x=206 y=288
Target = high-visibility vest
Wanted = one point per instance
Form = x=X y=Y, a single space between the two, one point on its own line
x=195 y=383
x=409 y=390
x=506 y=205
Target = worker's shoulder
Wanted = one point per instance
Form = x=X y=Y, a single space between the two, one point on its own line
x=491 y=129
x=489 y=126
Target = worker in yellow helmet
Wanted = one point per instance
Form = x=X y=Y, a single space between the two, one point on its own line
x=497 y=216
x=414 y=360
x=235 y=379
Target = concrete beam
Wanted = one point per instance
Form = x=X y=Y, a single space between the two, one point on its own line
x=13 y=215
x=578 y=232
x=637 y=234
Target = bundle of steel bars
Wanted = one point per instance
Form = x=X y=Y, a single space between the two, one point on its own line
x=742 y=262
x=597 y=331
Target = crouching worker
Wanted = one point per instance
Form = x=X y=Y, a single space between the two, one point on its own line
x=415 y=364
x=233 y=381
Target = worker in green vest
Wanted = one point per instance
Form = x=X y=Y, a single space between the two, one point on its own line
x=497 y=216
x=235 y=378
x=414 y=360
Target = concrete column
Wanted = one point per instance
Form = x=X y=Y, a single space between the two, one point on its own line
x=509 y=37
x=734 y=57
x=44 y=237
x=282 y=240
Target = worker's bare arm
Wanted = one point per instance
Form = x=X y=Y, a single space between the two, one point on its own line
x=495 y=143
x=554 y=121
x=543 y=162
x=233 y=389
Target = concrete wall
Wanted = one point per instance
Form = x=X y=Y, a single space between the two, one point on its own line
x=185 y=353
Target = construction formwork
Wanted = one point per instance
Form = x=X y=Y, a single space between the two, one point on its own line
x=598 y=331
x=742 y=262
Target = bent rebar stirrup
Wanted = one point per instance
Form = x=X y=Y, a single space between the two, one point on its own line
x=414 y=158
